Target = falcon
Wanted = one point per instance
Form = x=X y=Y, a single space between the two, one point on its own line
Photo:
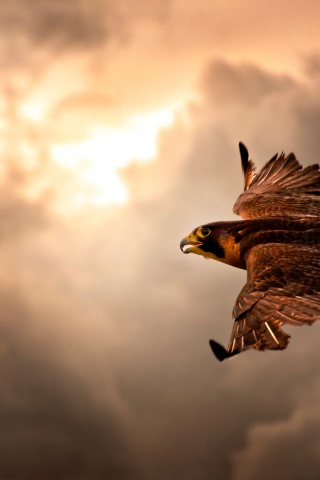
x=278 y=243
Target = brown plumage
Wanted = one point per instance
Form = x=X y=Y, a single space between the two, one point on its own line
x=278 y=243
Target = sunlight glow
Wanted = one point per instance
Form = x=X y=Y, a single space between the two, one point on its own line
x=31 y=111
x=96 y=159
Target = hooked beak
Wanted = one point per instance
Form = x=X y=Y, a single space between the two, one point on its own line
x=188 y=244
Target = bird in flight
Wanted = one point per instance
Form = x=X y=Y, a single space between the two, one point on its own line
x=278 y=243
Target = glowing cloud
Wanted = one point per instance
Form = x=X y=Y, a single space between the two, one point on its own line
x=96 y=159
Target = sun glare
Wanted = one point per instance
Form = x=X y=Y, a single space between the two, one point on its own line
x=31 y=111
x=96 y=159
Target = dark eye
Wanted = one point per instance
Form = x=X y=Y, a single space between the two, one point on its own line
x=205 y=231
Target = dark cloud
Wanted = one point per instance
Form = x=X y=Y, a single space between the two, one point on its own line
x=52 y=423
x=247 y=85
x=34 y=30
x=106 y=370
x=311 y=65
x=283 y=449
x=61 y=25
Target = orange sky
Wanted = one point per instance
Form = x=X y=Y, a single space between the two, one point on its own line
x=70 y=72
x=104 y=325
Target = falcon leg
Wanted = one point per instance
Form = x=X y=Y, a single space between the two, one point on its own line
x=220 y=352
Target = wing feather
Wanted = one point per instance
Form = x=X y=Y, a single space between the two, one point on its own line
x=282 y=187
x=262 y=308
x=248 y=166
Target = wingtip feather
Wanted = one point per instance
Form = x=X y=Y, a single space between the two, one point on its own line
x=248 y=167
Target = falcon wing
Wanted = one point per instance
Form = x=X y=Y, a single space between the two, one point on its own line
x=283 y=287
x=281 y=188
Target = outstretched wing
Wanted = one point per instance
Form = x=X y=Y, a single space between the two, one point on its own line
x=283 y=287
x=281 y=188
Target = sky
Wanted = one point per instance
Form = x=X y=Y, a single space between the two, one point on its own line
x=119 y=131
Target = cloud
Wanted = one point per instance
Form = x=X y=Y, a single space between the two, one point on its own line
x=284 y=449
x=105 y=364
x=248 y=84
x=61 y=414
x=81 y=24
x=36 y=33
x=51 y=422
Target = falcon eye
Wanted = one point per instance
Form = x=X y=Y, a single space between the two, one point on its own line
x=205 y=231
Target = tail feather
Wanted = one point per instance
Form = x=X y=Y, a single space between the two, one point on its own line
x=268 y=336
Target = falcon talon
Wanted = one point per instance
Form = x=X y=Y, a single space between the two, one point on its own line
x=280 y=230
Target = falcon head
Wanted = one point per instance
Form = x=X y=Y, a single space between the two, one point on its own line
x=216 y=241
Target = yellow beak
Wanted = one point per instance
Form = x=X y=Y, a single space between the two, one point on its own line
x=189 y=243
